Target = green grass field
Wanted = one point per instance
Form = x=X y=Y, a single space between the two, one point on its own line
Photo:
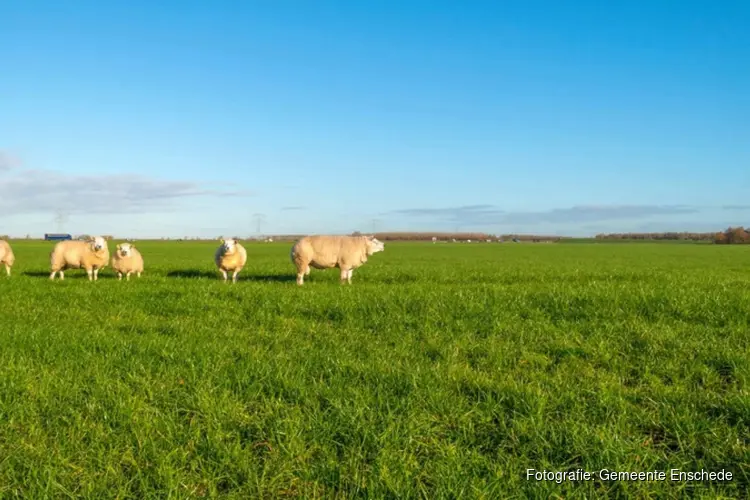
x=444 y=371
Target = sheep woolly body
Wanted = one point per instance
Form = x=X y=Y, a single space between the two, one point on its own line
x=91 y=255
x=324 y=252
x=230 y=256
x=127 y=260
x=6 y=256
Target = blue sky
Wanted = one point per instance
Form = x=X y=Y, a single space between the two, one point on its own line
x=169 y=118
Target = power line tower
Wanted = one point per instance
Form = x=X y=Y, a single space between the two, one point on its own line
x=61 y=218
x=259 y=220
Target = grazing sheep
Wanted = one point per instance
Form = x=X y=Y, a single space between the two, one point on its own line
x=6 y=256
x=324 y=252
x=127 y=260
x=230 y=256
x=91 y=255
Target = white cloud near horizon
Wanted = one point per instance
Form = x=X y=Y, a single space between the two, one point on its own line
x=8 y=161
x=489 y=215
x=146 y=206
x=33 y=191
x=579 y=220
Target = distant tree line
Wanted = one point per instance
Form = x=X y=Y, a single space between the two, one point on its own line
x=532 y=238
x=410 y=236
x=732 y=235
x=440 y=236
x=658 y=236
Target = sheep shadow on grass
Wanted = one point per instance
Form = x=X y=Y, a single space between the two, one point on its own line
x=39 y=274
x=281 y=278
x=216 y=275
x=194 y=273
x=69 y=274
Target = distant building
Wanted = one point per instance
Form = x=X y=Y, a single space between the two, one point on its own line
x=57 y=237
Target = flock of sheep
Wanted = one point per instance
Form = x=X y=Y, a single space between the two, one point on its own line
x=321 y=252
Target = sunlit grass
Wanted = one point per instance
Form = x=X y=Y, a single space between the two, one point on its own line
x=444 y=371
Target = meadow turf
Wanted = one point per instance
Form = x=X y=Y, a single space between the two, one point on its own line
x=444 y=371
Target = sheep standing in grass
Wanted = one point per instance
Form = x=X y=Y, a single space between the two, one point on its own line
x=91 y=255
x=127 y=260
x=230 y=257
x=6 y=256
x=324 y=252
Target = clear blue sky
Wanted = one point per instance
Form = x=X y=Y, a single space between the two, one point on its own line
x=186 y=118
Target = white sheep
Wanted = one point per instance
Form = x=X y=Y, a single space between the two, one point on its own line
x=324 y=252
x=91 y=255
x=127 y=260
x=230 y=256
x=6 y=256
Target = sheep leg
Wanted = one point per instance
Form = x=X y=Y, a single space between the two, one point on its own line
x=90 y=273
x=127 y=276
x=224 y=273
x=138 y=274
x=119 y=275
x=303 y=269
x=7 y=269
x=234 y=275
x=96 y=274
x=349 y=276
x=52 y=275
x=344 y=275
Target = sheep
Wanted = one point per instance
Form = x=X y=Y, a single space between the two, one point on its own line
x=127 y=260
x=91 y=255
x=6 y=256
x=324 y=252
x=230 y=256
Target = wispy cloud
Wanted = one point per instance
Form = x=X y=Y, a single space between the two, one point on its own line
x=27 y=191
x=467 y=214
x=478 y=215
x=8 y=161
x=593 y=213
x=292 y=208
x=677 y=226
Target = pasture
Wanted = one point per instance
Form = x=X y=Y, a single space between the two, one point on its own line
x=444 y=371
